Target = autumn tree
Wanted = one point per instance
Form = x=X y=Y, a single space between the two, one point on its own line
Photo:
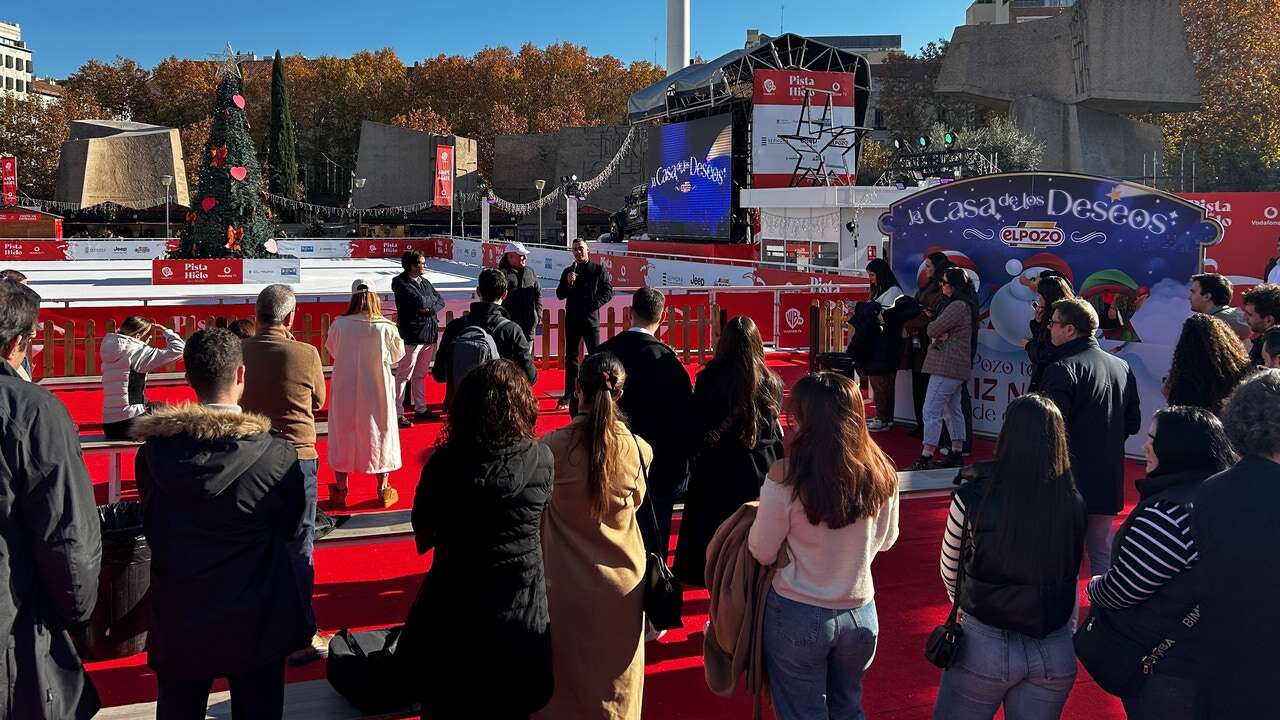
x=118 y=88
x=1235 y=136
x=423 y=120
x=907 y=97
x=34 y=133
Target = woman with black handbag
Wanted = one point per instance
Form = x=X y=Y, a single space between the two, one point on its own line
x=1150 y=590
x=595 y=557
x=1023 y=527
x=835 y=504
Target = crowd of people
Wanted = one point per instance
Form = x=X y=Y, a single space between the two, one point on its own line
x=542 y=545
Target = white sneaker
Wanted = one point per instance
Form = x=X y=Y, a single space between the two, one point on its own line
x=875 y=425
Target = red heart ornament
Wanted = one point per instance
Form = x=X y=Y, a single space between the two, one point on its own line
x=208 y=203
x=238 y=100
x=239 y=172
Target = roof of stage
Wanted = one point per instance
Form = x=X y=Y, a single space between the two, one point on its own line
x=728 y=77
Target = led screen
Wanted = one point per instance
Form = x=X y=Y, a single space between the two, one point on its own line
x=691 y=182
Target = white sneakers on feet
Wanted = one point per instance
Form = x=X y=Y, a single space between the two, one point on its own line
x=875 y=425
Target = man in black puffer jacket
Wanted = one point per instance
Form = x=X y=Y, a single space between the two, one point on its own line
x=223 y=502
x=524 y=296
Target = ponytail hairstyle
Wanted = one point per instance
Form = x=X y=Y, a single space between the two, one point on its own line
x=601 y=380
x=135 y=326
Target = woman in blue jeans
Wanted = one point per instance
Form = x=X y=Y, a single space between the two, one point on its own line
x=834 y=504
x=1020 y=561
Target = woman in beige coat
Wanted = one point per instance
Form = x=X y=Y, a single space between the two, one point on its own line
x=594 y=556
x=363 y=434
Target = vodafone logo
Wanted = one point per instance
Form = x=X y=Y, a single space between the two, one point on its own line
x=1271 y=213
x=770 y=86
x=836 y=86
x=444 y=155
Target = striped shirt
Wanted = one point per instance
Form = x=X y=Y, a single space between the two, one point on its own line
x=1156 y=547
x=951 y=545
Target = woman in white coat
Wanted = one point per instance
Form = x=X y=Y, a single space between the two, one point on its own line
x=363 y=434
x=127 y=357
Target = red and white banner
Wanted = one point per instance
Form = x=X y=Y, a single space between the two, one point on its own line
x=33 y=249
x=9 y=179
x=780 y=110
x=197 y=272
x=444 y=176
x=1250 y=234
x=224 y=272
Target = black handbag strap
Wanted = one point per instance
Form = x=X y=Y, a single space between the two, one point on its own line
x=644 y=471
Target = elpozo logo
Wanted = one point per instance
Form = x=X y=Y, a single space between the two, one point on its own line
x=1029 y=234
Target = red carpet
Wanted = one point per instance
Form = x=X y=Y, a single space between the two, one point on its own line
x=373 y=585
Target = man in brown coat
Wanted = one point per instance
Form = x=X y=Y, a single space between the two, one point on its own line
x=284 y=380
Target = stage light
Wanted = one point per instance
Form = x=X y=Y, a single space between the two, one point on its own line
x=923 y=141
x=852 y=227
x=573 y=178
x=949 y=138
x=564 y=179
x=899 y=144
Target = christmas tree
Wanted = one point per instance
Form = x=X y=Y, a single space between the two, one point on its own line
x=229 y=217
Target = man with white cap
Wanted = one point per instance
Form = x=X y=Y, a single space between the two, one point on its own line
x=524 y=295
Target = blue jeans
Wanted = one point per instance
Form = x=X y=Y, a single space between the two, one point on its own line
x=300 y=551
x=1097 y=543
x=943 y=403
x=1030 y=677
x=815 y=658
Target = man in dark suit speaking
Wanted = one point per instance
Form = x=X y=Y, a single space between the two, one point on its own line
x=585 y=287
x=658 y=402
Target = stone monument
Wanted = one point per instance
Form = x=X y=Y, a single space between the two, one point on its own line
x=1074 y=80
x=121 y=162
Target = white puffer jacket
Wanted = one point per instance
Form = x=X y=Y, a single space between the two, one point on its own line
x=122 y=354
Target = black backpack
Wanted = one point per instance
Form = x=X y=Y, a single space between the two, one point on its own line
x=473 y=347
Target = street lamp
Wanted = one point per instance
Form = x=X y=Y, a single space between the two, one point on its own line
x=166 y=180
x=539 y=184
x=358 y=183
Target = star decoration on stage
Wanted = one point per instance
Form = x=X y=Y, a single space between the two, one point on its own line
x=812 y=141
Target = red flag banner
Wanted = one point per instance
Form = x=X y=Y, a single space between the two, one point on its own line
x=444 y=176
x=9 y=179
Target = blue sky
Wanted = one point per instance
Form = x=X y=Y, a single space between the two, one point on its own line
x=65 y=33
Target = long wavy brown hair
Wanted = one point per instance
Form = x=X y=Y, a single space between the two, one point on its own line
x=602 y=379
x=754 y=389
x=839 y=474
x=492 y=408
x=1209 y=361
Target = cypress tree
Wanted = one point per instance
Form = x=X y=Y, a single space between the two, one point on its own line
x=282 y=158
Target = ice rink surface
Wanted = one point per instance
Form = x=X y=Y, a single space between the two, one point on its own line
x=123 y=282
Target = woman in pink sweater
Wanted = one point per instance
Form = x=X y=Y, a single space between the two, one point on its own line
x=835 y=505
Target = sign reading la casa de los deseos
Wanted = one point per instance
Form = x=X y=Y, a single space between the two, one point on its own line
x=1128 y=249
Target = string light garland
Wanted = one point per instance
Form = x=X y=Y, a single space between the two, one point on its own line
x=330 y=211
